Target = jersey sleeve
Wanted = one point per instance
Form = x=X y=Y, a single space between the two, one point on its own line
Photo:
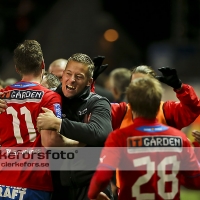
x=108 y=162
x=111 y=153
x=52 y=101
x=99 y=181
x=183 y=113
x=118 y=113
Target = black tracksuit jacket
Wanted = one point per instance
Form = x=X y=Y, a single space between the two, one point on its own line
x=93 y=133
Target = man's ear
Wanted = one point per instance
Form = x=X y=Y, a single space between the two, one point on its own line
x=16 y=69
x=43 y=65
x=90 y=81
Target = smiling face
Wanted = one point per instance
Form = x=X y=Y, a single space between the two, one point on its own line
x=75 y=78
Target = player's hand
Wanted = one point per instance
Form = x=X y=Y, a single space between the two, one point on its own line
x=101 y=196
x=169 y=77
x=196 y=135
x=3 y=104
x=48 y=121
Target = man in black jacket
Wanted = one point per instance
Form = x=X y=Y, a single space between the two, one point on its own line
x=79 y=105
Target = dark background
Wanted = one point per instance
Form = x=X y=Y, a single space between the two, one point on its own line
x=149 y=30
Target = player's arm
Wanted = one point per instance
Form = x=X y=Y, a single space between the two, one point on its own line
x=118 y=111
x=52 y=138
x=93 y=133
x=183 y=113
x=53 y=114
x=109 y=161
x=100 y=180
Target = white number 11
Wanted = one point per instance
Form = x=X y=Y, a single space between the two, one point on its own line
x=16 y=123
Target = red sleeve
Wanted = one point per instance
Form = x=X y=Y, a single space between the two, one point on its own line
x=183 y=113
x=99 y=181
x=118 y=113
x=52 y=101
x=109 y=159
x=111 y=153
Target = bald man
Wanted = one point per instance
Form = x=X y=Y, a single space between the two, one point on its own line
x=57 y=67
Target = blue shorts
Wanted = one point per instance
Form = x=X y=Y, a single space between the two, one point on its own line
x=17 y=193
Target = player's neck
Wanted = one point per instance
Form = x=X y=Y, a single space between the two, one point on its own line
x=31 y=78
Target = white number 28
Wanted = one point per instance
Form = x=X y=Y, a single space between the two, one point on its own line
x=161 y=169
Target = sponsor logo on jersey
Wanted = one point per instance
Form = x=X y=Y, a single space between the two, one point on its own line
x=158 y=143
x=152 y=129
x=9 y=192
x=21 y=96
x=23 y=85
x=58 y=111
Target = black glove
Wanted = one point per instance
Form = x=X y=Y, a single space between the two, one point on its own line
x=169 y=77
x=98 y=67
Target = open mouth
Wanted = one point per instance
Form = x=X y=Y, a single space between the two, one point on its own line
x=69 y=87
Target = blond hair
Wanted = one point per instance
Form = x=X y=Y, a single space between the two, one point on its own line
x=144 y=69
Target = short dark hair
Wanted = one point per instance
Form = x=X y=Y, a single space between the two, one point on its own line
x=28 y=57
x=84 y=59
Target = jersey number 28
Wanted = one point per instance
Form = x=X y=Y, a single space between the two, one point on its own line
x=161 y=172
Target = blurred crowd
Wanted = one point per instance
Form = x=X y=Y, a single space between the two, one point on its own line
x=6 y=82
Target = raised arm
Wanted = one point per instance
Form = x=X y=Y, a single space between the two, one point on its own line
x=183 y=113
